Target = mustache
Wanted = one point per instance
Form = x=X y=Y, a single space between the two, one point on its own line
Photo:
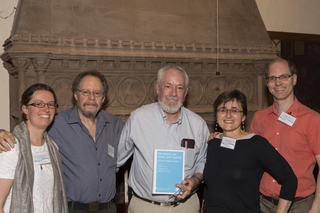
x=90 y=103
x=172 y=98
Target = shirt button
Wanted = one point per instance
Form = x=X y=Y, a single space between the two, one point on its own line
x=278 y=133
x=273 y=181
x=99 y=195
x=98 y=164
x=100 y=179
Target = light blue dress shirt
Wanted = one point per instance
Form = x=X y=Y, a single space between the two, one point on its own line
x=148 y=129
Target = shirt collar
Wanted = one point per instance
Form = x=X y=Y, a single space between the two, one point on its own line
x=75 y=118
x=179 y=121
x=293 y=109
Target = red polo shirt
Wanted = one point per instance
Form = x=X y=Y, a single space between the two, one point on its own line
x=298 y=144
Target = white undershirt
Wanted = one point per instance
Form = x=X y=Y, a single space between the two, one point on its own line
x=43 y=178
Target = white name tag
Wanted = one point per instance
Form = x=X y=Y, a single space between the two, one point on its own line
x=229 y=143
x=41 y=158
x=110 y=151
x=287 y=119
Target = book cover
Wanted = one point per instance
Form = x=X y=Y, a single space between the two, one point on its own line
x=168 y=170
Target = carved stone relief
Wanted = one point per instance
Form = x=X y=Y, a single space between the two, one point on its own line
x=62 y=87
x=213 y=88
x=195 y=89
x=132 y=83
x=131 y=92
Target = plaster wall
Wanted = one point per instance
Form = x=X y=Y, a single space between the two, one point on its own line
x=291 y=16
x=6 y=8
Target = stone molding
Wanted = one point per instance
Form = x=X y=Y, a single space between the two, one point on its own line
x=134 y=45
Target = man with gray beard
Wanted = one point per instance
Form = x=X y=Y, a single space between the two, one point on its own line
x=164 y=125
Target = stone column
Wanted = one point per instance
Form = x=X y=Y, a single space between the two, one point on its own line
x=40 y=67
x=21 y=65
x=261 y=86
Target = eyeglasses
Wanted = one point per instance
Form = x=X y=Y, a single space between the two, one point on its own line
x=51 y=105
x=233 y=112
x=281 y=78
x=96 y=93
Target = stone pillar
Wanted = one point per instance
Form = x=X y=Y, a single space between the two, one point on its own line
x=261 y=89
x=40 y=67
x=261 y=86
x=21 y=65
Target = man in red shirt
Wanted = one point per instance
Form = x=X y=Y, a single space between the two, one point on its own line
x=293 y=129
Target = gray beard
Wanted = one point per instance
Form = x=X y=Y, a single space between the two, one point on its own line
x=171 y=109
x=89 y=114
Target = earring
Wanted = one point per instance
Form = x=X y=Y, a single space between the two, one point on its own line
x=243 y=127
x=216 y=127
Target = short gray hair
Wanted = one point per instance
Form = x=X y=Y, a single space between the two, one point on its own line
x=165 y=68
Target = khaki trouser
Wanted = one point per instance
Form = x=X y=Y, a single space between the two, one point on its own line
x=301 y=206
x=192 y=205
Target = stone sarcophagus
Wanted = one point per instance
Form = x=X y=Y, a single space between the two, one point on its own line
x=221 y=44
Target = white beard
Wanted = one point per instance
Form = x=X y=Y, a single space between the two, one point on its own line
x=170 y=108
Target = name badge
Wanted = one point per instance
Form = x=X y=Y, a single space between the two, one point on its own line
x=110 y=151
x=41 y=158
x=228 y=143
x=287 y=119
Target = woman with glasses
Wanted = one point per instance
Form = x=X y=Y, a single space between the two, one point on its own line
x=31 y=174
x=236 y=160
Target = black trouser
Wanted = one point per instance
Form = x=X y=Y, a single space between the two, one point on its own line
x=75 y=207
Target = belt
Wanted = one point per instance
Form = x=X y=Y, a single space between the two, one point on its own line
x=91 y=207
x=155 y=202
x=275 y=200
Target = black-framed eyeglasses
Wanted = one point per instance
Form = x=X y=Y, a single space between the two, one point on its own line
x=96 y=93
x=281 y=78
x=224 y=111
x=51 y=105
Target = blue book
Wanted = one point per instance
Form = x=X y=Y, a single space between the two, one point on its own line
x=168 y=170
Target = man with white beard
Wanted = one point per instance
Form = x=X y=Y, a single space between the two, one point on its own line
x=163 y=125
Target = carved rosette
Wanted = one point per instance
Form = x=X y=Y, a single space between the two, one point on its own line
x=195 y=92
x=152 y=94
x=131 y=92
x=63 y=89
x=214 y=87
x=244 y=85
